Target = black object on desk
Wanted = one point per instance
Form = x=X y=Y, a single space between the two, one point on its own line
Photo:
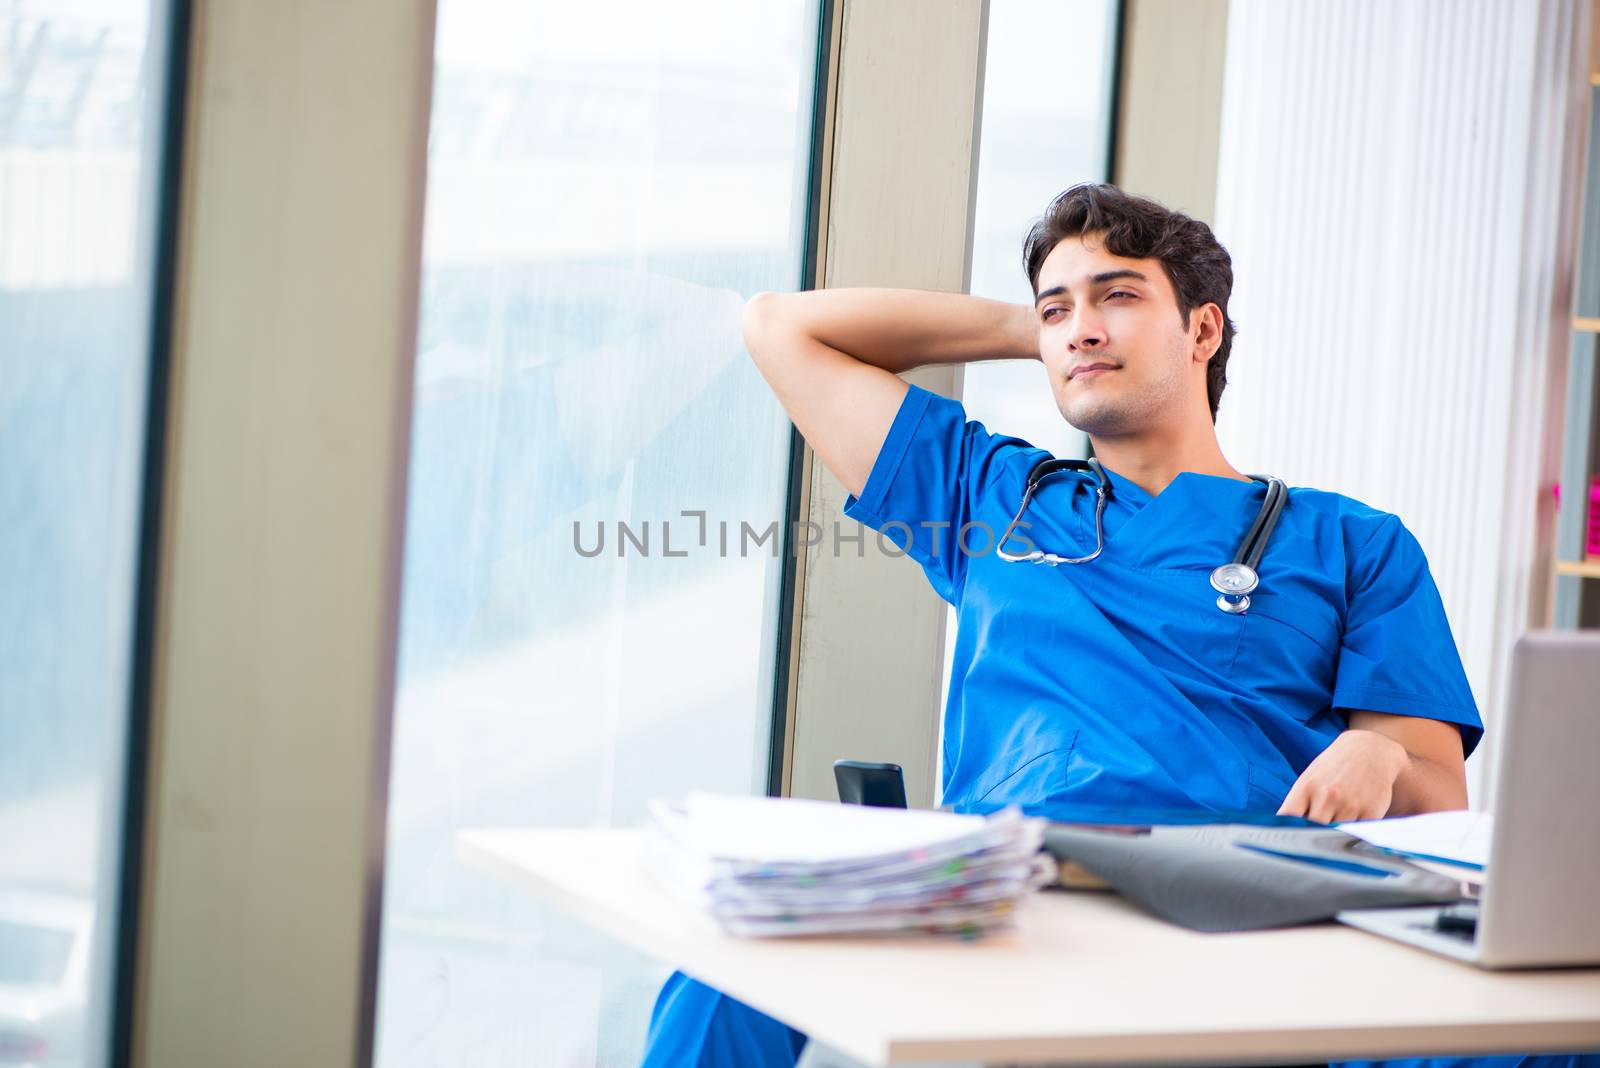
x=864 y=782
x=1458 y=920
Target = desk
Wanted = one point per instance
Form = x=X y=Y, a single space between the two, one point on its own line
x=1083 y=979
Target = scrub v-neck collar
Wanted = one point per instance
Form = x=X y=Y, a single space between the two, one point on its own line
x=1130 y=492
x=1194 y=509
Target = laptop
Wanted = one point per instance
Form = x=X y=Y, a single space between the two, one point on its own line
x=1537 y=908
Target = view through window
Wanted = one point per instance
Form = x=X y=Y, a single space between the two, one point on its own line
x=590 y=598
x=82 y=87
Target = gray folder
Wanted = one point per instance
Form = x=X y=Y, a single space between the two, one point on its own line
x=1238 y=877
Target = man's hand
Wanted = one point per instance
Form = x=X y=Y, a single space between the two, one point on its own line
x=1383 y=765
x=1352 y=779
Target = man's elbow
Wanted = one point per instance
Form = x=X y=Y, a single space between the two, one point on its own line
x=762 y=321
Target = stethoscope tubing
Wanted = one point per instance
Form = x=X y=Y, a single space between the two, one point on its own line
x=1255 y=542
x=1233 y=581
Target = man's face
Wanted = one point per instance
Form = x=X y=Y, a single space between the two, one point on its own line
x=1119 y=357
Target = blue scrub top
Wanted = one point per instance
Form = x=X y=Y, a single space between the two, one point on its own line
x=1119 y=682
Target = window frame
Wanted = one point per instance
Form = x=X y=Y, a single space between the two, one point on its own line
x=868 y=632
x=273 y=641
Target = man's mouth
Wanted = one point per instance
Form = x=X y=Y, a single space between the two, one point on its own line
x=1090 y=369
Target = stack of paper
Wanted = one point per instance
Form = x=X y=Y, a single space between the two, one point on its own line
x=1459 y=837
x=781 y=866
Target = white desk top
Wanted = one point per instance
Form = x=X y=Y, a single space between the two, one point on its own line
x=1084 y=979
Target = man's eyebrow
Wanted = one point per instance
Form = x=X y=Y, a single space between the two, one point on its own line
x=1094 y=280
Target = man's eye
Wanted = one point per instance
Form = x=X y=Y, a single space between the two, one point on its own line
x=1119 y=293
x=1050 y=313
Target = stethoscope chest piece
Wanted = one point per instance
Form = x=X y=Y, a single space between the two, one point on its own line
x=1233 y=583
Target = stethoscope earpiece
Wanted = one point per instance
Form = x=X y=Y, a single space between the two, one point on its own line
x=1041 y=471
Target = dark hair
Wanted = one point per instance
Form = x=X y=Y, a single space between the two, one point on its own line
x=1198 y=266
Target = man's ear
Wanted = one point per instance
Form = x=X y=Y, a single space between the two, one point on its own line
x=1206 y=330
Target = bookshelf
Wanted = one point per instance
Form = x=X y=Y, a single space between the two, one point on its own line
x=1576 y=574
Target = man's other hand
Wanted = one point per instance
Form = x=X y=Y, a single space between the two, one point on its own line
x=1352 y=779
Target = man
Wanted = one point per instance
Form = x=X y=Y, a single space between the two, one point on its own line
x=1119 y=681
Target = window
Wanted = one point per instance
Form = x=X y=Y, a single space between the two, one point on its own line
x=607 y=185
x=1046 y=126
x=81 y=91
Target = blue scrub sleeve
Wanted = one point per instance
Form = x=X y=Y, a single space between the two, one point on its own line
x=1397 y=654
x=922 y=492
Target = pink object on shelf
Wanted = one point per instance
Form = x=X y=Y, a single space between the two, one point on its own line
x=1592 y=542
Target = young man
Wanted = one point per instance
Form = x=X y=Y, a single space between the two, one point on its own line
x=1118 y=680
x=1337 y=695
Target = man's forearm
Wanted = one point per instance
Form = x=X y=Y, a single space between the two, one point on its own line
x=898 y=329
x=1432 y=775
x=1424 y=786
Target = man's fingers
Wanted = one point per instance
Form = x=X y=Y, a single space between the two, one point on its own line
x=1295 y=803
x=1322 y=809
x=1376 y=809
x=1339 y=786
x=1368 y=808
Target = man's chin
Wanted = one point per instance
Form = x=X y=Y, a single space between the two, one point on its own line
x=1096 y=418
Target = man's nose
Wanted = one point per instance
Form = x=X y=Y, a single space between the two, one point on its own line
x=1088 y=332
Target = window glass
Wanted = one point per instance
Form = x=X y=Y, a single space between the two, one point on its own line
x=81 y=92
x=1046 y=126
x=607 y=184
x=32 y=953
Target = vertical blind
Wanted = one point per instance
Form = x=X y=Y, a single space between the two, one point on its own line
x=1388 y=186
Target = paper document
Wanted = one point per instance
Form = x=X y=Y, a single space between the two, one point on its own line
x=1459 y=837
x=782 y=866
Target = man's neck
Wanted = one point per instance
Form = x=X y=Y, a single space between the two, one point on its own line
x=1153 y=458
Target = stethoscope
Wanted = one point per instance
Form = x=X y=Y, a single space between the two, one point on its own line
x=1233 y=581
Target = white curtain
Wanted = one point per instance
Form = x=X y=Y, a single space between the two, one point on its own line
x=1397 y=184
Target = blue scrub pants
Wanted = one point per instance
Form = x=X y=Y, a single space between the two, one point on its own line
x=695 y=1026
